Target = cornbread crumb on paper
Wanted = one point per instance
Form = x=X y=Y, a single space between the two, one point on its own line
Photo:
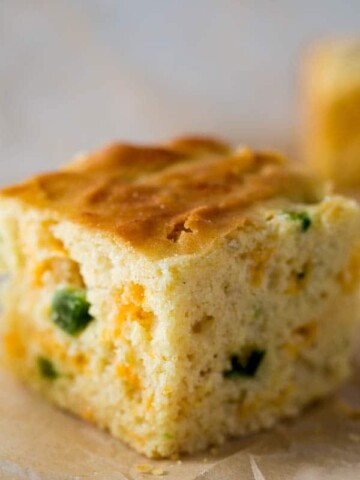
x=128 y=304
x=150 y=469
x=158 y=472
x=144 y=467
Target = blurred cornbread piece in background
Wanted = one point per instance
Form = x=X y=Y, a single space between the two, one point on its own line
x=179 y=294
x=331 y=110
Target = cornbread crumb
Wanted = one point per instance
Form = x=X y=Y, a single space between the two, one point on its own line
x=144 y=468
x=158 y=472
x=150 y=469
x=179 y=295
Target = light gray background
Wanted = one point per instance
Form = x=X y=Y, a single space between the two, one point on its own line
x=77 y=73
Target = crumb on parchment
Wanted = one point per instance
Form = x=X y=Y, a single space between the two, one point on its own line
x=149 y=469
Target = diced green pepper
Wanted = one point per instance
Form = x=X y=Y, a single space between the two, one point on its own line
x=46 y=368
x=302 y=217
x=247 y=367
x=301 y=275
x=70 y=310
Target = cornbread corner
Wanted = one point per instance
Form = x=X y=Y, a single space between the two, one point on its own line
x=181 y=294
x=331 y=110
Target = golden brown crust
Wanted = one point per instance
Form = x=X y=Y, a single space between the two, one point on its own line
x=165 y=200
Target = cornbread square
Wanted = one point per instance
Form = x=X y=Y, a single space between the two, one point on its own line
x=331 y=130
x=181 y=294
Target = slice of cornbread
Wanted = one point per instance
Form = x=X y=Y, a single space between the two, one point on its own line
x=331 y=120
x=181 y=294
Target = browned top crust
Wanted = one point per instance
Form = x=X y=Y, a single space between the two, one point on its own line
x=166 y=200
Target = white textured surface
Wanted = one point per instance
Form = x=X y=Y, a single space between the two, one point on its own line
x=77 y=73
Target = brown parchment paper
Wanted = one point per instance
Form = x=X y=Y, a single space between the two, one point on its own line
x=40 y=442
